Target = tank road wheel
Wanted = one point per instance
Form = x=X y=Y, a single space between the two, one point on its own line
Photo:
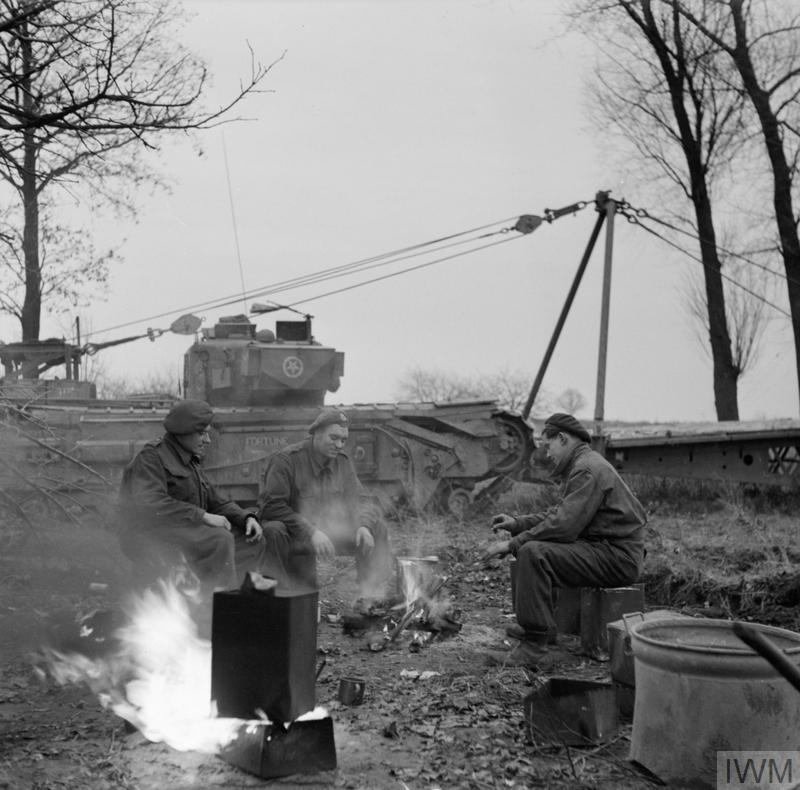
x=515 y=445
x=455 y=501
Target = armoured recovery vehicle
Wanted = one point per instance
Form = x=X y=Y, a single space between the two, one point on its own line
x=61 y=444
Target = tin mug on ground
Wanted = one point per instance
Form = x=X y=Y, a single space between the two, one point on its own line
x=351 y=691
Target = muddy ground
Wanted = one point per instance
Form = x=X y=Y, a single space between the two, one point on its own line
x=459 y=726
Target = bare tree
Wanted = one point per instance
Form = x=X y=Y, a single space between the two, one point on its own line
x=745 y=306
x=418 y=384
x=164 y=383
x=86 y=86
x=68 y=262
x=762 y=40
x=664 y=88
x=508 y=387
x=571 y=400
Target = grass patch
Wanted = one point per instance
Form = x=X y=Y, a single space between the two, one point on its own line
x=672 y=495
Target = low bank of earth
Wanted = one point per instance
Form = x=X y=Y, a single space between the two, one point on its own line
x=434 y=718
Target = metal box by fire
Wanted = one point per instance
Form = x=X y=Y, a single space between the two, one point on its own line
x=619 y=642
x=270 y=750
x=571 y=712
x=621 y=664
x=263 y=654
x=601 y=606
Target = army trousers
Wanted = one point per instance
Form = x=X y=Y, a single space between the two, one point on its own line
x=543 y=566
x=294 y=564
x=217 y=557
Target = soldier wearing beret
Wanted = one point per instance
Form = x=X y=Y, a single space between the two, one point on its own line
x=312 y=505
x=592 y=537
x=173 y=514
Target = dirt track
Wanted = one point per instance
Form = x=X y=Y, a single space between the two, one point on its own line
x=460 y=728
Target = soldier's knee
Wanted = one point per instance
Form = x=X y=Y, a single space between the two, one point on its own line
x=224 y=542
x=532 y=551
x=539 y=553
x=275 y=534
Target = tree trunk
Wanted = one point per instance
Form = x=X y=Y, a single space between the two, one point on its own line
x=781 y=172
x=726 y=373
x=32 y=305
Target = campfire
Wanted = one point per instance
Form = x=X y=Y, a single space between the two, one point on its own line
x=248 y=695
x=422 y=614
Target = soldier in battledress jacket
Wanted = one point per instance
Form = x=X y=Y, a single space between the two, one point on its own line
x=312 y=505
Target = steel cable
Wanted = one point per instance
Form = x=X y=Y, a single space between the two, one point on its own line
x=635 y=221
x=403 y=271
x=700 y=239
x=354 y=267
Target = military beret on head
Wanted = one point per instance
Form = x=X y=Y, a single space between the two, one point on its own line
x=188 y=416
x=567 y=423
x=328 y=417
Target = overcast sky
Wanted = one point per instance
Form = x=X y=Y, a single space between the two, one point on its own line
x=392 y=123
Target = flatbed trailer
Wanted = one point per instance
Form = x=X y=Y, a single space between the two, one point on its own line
x=763 y=452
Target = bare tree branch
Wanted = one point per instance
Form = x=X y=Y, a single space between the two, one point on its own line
x=762 y=71
x=666 y=93
x=87 y=86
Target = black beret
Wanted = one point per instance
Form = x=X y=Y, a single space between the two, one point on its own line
x=188 y=416
x=328 y=417
x=566 y=422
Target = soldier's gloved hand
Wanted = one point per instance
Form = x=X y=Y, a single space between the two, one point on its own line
x=365 y=543
x=214 y=520
x=322 y=545
x=503 y=521
x=252 y=530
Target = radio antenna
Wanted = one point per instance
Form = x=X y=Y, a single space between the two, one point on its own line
x=233 y=220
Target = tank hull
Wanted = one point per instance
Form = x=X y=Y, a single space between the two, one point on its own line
x=60 y=444
x=419 y=454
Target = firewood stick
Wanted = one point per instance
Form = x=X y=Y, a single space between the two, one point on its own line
x=404 y=621
x=436 y=587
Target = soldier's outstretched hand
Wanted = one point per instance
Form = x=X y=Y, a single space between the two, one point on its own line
x=323 y=547
x=502 y=521
x=215 y=520
x=253 y=530
x=498 y=548
x=365 y=543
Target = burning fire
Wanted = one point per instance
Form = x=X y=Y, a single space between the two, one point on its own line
x=158 y=676
x=421 y=585
x=421 y=588
x=417 y=573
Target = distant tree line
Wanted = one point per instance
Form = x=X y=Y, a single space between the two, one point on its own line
x=509 y=388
